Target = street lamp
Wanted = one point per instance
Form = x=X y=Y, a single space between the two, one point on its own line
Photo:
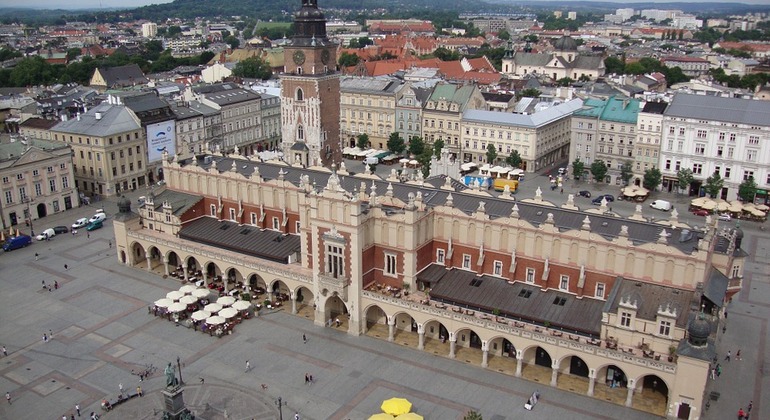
x=280 y=403
x=28 y=215
x=179 y=368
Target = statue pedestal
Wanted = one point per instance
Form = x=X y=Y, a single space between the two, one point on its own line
x=173 y=402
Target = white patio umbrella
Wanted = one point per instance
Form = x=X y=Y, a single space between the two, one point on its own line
x=241 y=305
x=213 y=307
x=187 y=289
x=763 y=207
x=722 y=206
x=200 y=315
x=163 y=303
x=201 y=293
x=175 y=295
x=709 y=205
x=215 y=320
x=177 y=307
x=228 y=313
x=188 y=300
x=226 y=300
x=697 y=202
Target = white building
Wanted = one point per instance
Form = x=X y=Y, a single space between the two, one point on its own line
x=149 y=30
x=713 y=134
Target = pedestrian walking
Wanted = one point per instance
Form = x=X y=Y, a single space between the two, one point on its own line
x=72 y=417
x=56 y=284
x=43 y=284
x=109 y=243
x=77 y=409
x=304 y=338
x=120 y=387
x=88 y=235
x=748 y=409
x=310 y=378
x=738 y=355
x=8 y=397
x=50 y=333
x=307 y=378
x=741 y=413
x=139 y=391
x=719 y=370
x=202 y=380
x=713 y=373
x=248 y=366
x=727 y=357
x=337 y=321
x=329 y=322
x=45 y=337
x=65 y=267
x=5 y=351
x=296 y=416
x=37 y=257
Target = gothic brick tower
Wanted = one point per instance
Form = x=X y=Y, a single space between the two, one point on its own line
x=310 y=92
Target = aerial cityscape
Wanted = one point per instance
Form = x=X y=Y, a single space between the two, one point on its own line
x=494 y=210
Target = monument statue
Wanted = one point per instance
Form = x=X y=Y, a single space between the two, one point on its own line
x=171 y=380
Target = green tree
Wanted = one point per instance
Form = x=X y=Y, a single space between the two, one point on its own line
x=396 y=143
x=565 y=81
x=578 y=167
x=747 y=190
x=652 y=178
x=714 y=184
x=153 y=49
x=530 y=38
x=626 y=171
x=33 y=71
x=233 y=41
x=529 y=93
x=598 y=170
x=253 y=67
x=444 y=54
x=437 y=146
x=424 y=159
x=362 y=141
x=72 y=53
x=514 y=159
x=614 y=65
x=173 y=31
x=684 y=177
x=472 y=415
x=416 y=146
x=491 y=153
x=348 y=60
x=504 y=35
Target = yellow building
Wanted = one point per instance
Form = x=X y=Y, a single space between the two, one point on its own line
x=368 y=106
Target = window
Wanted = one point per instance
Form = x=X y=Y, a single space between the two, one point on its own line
x=700 y=148
x=681 y=131
x=6 y=180
x=697 y=168
x=232 y=214
x=736 y=271
x=35 y=172
x=599 y=290
x=213 y=210
x=297 y=226
x=334 y=262
x=276 y=224
x=727 y=173
x=19 y=177
x=564 y=283
x=8 y=197
x=625 y=319
x=732 y=137
x=65 y=182
x=754 y=140
x=747 y=175
x=701 y=134
x=440 y=255
x=22 y=193
x=466 y=261
x=390 y=264
x=38 y=189
x=665 y=328
x=52 y=184
x=530 y=275
x=498 y=269
x=751 y=155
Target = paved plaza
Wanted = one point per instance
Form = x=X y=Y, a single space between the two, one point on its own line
x=102 y=331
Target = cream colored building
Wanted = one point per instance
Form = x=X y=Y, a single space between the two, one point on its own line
x=36 y=180
x=443 y=111
x=541 y=138
x=533 y=290
x=648 y=139
x=368 y=106
x=109 y=149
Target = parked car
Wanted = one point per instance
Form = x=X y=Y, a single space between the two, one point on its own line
x=701 y=212
x=80 y=223
x=725 y=217
x=98 y=217
x=17 y=242
x=562 y=171
x=46 y=234
x=584 y=193
x=96 y=224
x=61 y=229
x=598 y=199
x=661 y=205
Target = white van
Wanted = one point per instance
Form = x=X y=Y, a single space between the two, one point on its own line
x=371 y=160
x=662 y=205
x=98 y=217
x=46 y=234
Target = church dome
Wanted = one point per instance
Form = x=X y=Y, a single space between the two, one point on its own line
x=565 y=43
x=124 y=205
x=698 y=331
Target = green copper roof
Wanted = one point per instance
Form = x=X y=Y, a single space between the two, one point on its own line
x=613 y=109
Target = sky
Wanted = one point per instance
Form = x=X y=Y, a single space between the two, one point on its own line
x=79 y=4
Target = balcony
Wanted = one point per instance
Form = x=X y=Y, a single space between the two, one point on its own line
x=334 y=284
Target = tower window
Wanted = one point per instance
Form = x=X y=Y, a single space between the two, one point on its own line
x=300 y=131
x=300 y=94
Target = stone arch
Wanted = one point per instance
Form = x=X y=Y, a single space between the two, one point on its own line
x=501 y=346
x=334 y=308
x=405 y=322
x=467 y=337
x=305 y=301
x=138 y=254
x=212 y=271
x=538 y=248
x=649 y=266
x=573 y=365
x=611 y=375
x=256 y=283
x=610 y=265
x=556 y=250
x=668 y=271
x=592 y=256
x=436 y=330
x=155 y=256
x=375 y=316
x=278 y=288
x=504 y=239
x=654 y=391
x=192 y=264
x=630 y=258
x=173 y=259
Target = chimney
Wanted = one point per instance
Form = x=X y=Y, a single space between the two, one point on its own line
x=98 y=116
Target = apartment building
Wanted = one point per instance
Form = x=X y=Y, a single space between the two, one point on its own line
x=443 y=113
x=541 y=138
x=196 y=125
x=648 y=137
x=36 y=179
x=710 y=134
x=409 y=110
x=368 y=106
x=605 y=130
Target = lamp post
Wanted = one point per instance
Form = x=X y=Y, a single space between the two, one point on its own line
x=280 y=403
x=179 y=368
x=28 y=215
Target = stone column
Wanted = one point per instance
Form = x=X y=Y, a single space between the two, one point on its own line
x=149 y=263
x=630 y=395
x=186 y=276
x=391 y=328
x=554 y=373
x=591 y=382
x=293 y=303
x=519 y=362
x=484 y=354
x=205 y=277
x=452 y=344
x=165 y=265
x=420 y=337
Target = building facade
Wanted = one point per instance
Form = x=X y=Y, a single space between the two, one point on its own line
x=443 y=112
x=196 y=125
x=240 y=116
x=109 y=149
x=648 y=136
x=368 y=106
x=711 y=134
x=564 y=62
x=409 y=111
x=36 y=180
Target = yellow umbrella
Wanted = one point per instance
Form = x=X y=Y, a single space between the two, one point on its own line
x=17 y=232
x=409 y=416
x=396 y=406
x=381 y=416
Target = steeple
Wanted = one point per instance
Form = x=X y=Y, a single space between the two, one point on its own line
x=310 y=23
